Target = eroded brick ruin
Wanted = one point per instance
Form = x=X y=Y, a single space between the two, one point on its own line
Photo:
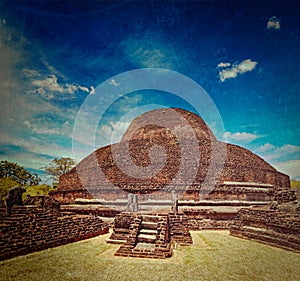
x=243 y=194
x=243 y=175
x=149 y=235
x=247 y=186
x=39 y=225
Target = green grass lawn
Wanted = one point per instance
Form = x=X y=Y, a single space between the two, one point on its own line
x=214 y=256
x=295 y=184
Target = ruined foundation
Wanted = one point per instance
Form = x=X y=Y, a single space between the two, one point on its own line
x=149 y=235
x=242 y=193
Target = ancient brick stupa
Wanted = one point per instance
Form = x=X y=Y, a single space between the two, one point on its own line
x=166 y=155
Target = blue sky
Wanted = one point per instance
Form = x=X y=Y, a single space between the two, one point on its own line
x=54 y=55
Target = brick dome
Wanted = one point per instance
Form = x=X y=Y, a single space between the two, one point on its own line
x=101 y=170
x=137 y=129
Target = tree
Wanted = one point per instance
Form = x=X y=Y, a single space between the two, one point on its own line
x=58 y=167
x=17 y=173
x=5 y=185
x=11 y=175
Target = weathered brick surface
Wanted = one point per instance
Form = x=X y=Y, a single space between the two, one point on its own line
x=240 y=165
x=170 y=228
x=270 y=226
x=179 y=228
x=161 y=247
x=89 y=210
x=209 y=219
x=284 y=195
x=47 y=203
x=31 y=229
x=122 y=224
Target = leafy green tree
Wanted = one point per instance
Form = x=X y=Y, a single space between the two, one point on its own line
x=17 y=173
x=5 y=185
x=58 y=167
x=34 y=190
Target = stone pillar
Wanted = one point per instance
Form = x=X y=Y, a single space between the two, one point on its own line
x=174 y=201
x=130 y=203
x=135 y=203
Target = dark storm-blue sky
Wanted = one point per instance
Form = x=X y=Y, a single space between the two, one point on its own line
x=84 y=43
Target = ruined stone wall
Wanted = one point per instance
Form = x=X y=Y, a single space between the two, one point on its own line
x=209 y=219
x=179 y=229
x=284 y=195
x=30 y=229
x=270 y=226
x=69 y=195
x=121 y=227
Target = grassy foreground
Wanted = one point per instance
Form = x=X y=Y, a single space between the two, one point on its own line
x=214 y=256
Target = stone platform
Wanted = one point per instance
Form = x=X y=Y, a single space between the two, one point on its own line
x=149 y=235
x=270 y=226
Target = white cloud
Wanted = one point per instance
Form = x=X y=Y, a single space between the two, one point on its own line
x=92 y=91
x=273 y=23
x=265 y=147
x=150 y=50
x=34 y=153
x=111 y=132
x=286 y=150
x=236 y=69
x=224 y=64
x=72 y=88
x=82 y=88
x=48 y=131
x=228 y=73
x=240 y=137
x=30 y=72
x=283 y=158
x=113 y=82
x=50 y=84
x=291 y=168
x=20 y=108
x=46 y=128
x=27 y=124
x=51 y=69
x=246 y=65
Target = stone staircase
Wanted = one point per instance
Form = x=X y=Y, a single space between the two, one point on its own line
x=148 y=229
x=149 y=237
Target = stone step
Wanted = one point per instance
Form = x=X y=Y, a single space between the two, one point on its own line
x=149 y=225
x=115 y=241
x=150 y=218
x=147 y=246
x=148 y=255
x=121 y=230
x=146 y=238
x=148 y=231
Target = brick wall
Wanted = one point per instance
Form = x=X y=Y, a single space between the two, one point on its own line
x=179 y=228
x=209 y=219
x=30 y=229
x=270 y=226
